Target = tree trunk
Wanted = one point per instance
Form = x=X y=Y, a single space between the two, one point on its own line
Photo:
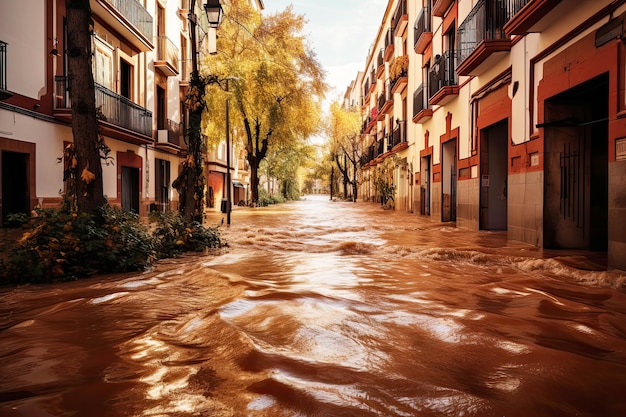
x=89 y=188
x=254 y=178
x=190 y=183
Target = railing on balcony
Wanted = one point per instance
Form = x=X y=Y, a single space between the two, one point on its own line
x=399 y=133
x=136 y=14
x=173 y=129
x=3 y=66
x=380 y=60
x=167 y=51
x=422 y=23
x=398 y=13
x=185 y=70
x=388 y=39
x=366 y=124
x=442 y=74
x=517 y=5
x=380 y=147
x=373 y=76
x=382 y=98
x=111 y=107
x=420 y=101
x=484 y=23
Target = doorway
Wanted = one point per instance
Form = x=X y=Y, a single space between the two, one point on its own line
x=162 y=184
x=576 y=167
x=15 y=189
x=130 y=189
x=494 y=176
x=448 y=181
x=425 y=188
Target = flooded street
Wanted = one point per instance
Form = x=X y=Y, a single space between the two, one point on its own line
x=330 y=309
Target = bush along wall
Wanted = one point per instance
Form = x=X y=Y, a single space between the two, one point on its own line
x=63 y=245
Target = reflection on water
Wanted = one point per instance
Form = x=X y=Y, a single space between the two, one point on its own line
x=322 y=308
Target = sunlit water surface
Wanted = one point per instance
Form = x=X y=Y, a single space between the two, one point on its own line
x=322 y=308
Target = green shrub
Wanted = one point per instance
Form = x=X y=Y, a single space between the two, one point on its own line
x=65 y=246
x=265 y=199
x=173 y=236
x=16 y=220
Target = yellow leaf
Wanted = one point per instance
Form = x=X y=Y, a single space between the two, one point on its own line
x=180 y=242
x=87 y=176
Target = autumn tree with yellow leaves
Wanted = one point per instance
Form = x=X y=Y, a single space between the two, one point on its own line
x=345 y=149
x=275 y=84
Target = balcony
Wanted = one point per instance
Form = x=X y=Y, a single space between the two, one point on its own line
x=380 y=63
x=368 y=156
x=398 y=136
x=398 y=71
x=423 y=34
x=169 y=135
x=4 y=93
x=440 y=7
x=118 y=117
x=442 y=79
x=389 y=45
x=400 y=19
x=366 y=87
x=381 y=147
x=421 y=108
x=481 y=36
x=526 y=14
x=129 y=18
x=166 y=57
x=385 y=101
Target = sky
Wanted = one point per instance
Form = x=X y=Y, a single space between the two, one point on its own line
x=341 y=33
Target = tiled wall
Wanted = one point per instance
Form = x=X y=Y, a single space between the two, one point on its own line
x=525 y=215
x=468 y=204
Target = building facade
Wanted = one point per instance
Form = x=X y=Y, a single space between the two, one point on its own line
x=502 y=115
x=141 y=63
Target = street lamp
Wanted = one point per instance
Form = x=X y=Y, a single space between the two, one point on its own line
x=214 y=12
x=191 y=181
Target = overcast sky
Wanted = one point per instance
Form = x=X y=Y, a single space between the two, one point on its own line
x=341 y=31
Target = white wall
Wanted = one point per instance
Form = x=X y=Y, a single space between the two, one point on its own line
x=23 y=26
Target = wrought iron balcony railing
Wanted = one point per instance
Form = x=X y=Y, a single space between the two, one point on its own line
x=422 y=23
x=382 y=99
x=388 y=39
x=366 y=87
x=136 y=14
x=442 y=73
x=484 y=23
x=420 y=101
x=167 y=52
x=400 y=11
x=399 y=133
x=111 y=107
x=380 y=59
x=517 y=5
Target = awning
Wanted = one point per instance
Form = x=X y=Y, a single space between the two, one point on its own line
x=237 y=184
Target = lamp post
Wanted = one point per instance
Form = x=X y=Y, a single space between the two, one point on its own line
x=191 y=182
x=228 y=180
x=228 y=149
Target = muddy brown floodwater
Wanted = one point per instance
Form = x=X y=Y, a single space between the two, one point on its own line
x=329 y=309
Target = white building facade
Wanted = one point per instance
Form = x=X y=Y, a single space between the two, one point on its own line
x=142 y=63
